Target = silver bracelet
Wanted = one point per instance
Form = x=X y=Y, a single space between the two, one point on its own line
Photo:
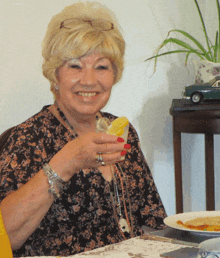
x=53 y=178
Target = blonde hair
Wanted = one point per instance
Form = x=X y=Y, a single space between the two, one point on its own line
x=61 y=44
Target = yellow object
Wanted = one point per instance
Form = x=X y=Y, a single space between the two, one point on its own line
x=5 y=246
x=117 y=126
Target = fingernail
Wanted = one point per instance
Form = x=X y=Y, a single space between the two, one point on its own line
x=127 y=146
x=120 y=139
x=123 y=152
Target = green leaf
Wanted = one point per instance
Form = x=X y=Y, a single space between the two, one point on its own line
x=215 y=48
x=218 y=32
x=172 y=52
x=187 y=56
x=183 y=45
x=203 y=25
x=167 y=53
x=196 y=42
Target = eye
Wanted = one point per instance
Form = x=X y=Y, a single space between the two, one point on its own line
x=75 y=66
x=102 y=67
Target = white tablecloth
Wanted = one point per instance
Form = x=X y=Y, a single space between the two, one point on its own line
x=132 y=248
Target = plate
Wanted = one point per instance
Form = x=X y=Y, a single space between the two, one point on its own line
x=171 y=221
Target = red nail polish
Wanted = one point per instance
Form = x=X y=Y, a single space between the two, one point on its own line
x=120 y=139
x=127 y=146
x=123 y=152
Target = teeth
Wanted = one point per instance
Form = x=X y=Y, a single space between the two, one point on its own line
x=87 y=94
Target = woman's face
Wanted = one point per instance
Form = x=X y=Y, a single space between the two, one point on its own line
x=85 y=85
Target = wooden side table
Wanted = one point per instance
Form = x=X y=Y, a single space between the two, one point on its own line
x=203 y=118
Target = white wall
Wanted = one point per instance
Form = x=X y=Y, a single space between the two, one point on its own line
x=142 y=96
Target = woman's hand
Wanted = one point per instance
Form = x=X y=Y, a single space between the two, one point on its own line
x=81 y=153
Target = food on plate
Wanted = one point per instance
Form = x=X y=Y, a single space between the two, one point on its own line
x=202 y=223
x=118 y=125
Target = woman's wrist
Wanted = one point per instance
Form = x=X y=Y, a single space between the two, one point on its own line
x=59 y=167
x=57 y=184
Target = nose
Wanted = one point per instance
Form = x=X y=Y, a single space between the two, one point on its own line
x=88 y=77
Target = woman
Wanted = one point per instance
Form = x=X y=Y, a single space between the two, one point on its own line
x=63 y=189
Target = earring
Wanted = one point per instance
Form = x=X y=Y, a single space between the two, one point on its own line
x=56 y=87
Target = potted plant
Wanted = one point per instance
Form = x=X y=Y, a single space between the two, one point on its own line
x=209 y=55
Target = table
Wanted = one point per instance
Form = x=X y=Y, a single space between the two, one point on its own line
x=203 y=118
x=182 y=244
x=138 y=248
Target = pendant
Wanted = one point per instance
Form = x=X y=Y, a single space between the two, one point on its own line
x=124 y=225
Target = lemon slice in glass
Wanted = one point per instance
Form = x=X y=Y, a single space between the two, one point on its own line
x=117 y=126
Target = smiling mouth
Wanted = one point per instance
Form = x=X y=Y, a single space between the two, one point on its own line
x=87 y=94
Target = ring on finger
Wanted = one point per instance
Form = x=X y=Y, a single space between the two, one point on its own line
x=99 y=158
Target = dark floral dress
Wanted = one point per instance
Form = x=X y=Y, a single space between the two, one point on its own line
x=83 y=218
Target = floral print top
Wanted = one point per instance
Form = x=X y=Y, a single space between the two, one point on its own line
x=84 y=217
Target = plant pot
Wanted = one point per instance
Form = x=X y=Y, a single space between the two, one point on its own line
x=205 y=71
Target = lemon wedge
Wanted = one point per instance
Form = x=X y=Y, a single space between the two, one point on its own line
x=117 y=126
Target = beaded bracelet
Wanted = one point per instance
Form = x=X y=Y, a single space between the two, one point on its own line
x=54 y=178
